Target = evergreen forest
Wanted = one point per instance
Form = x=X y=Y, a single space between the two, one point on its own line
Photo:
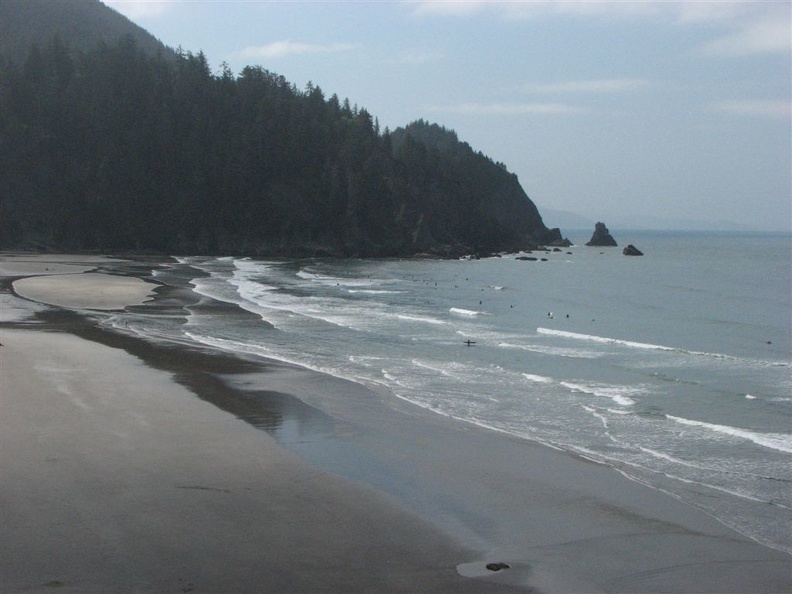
x=120 y=148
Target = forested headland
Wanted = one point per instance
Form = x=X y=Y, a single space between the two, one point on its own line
x=123 y=148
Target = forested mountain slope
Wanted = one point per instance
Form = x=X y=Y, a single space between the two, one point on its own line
x=81 y=23
x=122 y=148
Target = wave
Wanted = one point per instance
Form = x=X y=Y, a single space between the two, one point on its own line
x=266 y=300
x=328 y=280
x=616 y=393
x=603 y=339
x=539 y=379
x=237 y=346
x=775 y=441
x=467 y=312
x=424 y=319
x=457 y=371
x=260 y=350
x=554 y=351
x=654 y=347
x=375 y=291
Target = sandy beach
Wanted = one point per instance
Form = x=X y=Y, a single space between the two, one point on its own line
x=132 y=467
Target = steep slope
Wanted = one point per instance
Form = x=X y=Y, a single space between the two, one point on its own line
x=467 y=196
x=79 y=23
x=119 y=148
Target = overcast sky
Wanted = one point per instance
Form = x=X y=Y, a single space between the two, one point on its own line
x=643 y=113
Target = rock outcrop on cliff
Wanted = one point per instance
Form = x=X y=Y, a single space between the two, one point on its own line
x=601 y=237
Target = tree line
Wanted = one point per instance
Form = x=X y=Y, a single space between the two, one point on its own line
x=120 y=149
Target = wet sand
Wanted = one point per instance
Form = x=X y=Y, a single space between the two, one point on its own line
x=114 y=477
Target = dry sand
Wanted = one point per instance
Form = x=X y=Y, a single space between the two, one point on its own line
x=65 y=281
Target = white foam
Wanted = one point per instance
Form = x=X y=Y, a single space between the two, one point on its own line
x=554 y=351
x=654 y=347
x=539 y=379
x=467 y=312
x=774 y=441
x=237 y=346
x=423 y=319
x=260 y=350
x=603 y=339
x=338 y=281
x=272 y=304
x=616 y=393
x=456 y=371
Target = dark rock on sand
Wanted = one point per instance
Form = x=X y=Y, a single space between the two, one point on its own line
x=631 y=250
x=601 y=237
x=497 y=566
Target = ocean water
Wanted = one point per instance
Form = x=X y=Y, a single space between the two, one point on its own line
x=674 y=368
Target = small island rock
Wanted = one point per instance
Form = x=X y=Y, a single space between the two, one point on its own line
x=601 y=237
x=631 y=250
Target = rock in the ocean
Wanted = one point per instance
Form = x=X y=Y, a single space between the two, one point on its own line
x=601 y=237
x=631 y=250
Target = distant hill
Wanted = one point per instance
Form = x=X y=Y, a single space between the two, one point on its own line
x=125 y=147
x=79 y=23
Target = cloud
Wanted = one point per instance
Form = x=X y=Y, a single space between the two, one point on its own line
x=769 y=35
x=279 y=49
x=529 y=9
x=755 y=107
x=141 y=9
x=605 y=85
x=511 y=109
x=748 y=26
x=702 y=11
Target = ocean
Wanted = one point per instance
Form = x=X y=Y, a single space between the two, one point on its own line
x=674 y=368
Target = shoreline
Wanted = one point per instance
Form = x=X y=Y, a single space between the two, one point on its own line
x=115 y=478
x=122 y=481
x=562 y=523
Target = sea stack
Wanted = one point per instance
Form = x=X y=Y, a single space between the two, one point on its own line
x=601 y=237
x=631 y=250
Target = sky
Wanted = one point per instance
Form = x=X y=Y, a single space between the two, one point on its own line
x=638 y=114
